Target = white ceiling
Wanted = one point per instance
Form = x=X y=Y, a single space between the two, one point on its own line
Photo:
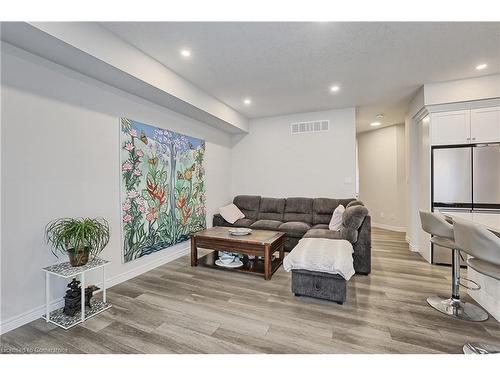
x=289 y=67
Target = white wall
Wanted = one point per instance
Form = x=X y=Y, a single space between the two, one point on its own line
x=412 y=186
x=462 y=90
x=418 y=197
x=423 y=184
x=60 y=157
x=381 y=162
x=269 y=161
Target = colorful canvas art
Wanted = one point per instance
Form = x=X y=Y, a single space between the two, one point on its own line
x=162 y=188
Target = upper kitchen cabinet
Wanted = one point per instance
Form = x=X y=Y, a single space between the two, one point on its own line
x=485 y=125
x=450 y=128
x=479 y=125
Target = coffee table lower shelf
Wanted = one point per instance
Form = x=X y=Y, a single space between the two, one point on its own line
x=255 y=266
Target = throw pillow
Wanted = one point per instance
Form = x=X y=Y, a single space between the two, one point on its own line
x=336 y=220
x=231 y=213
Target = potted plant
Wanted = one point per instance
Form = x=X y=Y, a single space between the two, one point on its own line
x=81 y=238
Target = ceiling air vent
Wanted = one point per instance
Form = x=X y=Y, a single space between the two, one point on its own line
x=310 y=126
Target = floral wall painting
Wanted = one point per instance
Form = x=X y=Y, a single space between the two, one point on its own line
x=162 y=188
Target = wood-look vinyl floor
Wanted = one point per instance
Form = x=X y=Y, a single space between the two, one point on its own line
x=179 y=309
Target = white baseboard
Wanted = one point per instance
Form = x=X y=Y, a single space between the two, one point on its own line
x=171 y=256
x=29 y=316
x=411 y=245
x=37 y=312
x=389 y=227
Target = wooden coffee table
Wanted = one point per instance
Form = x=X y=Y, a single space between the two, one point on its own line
x=262 y=243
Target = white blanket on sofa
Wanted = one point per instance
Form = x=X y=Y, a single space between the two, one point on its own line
x=322 y=255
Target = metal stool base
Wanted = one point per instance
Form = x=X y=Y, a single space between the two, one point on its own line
x=480 y=348
x=458 y=309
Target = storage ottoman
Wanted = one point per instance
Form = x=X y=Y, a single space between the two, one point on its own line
x=319 y=285
x=320 y=268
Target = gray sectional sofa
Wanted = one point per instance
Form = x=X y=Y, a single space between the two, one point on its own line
x=307 y=217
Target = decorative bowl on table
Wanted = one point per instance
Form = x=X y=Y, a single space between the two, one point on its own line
x=226 y=258
x=234 y=264
x=240 y=231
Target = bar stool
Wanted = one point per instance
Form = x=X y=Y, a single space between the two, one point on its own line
x=484 y=246
x=443 y=235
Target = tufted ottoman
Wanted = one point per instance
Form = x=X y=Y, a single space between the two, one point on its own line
x=320 y=268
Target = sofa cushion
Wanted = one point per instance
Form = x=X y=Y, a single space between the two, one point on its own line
x=298 y=209
x=352 y=219
x=266 y=224
x=219 y=221
x=271 y=209
x=320 y=226
x=294 y=228
x=323 y=208
x=243 y=223
x=248 y=204
x=323 y=233
x=345 y=201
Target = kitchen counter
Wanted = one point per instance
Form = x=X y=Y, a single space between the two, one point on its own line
x=489 y=220
x=489 y=294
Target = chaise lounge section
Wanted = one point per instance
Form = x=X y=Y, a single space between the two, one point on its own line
x=302 y=217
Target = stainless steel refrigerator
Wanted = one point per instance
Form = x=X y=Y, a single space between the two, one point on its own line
x=465 y=178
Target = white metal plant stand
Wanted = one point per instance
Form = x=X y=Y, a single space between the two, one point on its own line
x=66 y=270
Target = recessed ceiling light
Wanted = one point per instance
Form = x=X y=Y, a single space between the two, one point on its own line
x=186 y=53
x=376 y=123
x=335 y=88
x=247 y=101
x=481 y=66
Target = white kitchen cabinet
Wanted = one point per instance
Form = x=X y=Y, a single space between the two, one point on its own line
x=450 y=128
x=478 y=125
x=485 y=125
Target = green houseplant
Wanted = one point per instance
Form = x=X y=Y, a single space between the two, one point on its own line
x=78 y=237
